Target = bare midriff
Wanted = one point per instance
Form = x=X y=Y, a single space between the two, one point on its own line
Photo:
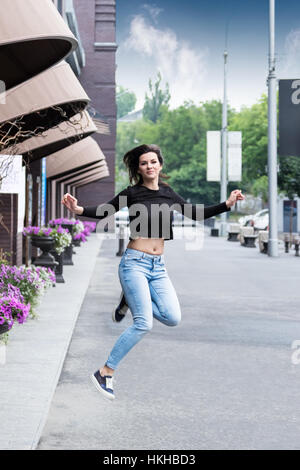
x=153 y=246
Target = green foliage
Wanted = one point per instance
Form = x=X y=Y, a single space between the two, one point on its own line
x=253 y=123
x=289 y=176
x=4 y=255
x=260 y=188
x=181 y=135
x=125 y=101
x=156 y=102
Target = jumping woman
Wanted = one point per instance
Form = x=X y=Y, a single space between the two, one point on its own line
x=146 y=288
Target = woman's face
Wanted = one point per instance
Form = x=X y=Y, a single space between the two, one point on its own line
x=149 y=166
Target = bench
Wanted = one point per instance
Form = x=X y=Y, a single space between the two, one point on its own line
x=263 y=238
x=233 y=232
x=247 y=237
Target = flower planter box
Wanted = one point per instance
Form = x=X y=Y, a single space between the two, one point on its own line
x=46 y=244
x=59 y=267
x=4 y=328
x=68 y=252
x=76 y=242
x=67 y=255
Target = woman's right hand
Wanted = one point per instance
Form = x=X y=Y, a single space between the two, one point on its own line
x=70 y=202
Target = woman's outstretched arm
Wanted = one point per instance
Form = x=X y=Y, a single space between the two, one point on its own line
x=101 y=211
x=208 y=211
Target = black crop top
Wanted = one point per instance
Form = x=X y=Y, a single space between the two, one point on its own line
x=151 y=210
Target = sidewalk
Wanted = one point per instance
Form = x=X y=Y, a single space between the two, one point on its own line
x=36 y=352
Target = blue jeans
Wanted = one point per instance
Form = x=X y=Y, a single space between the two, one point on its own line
x=149 y=293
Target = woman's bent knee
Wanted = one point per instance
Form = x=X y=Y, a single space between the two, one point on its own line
x=143 y=325
x=174 y=319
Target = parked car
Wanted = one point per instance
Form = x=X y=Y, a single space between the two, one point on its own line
x=261 y=222
x=250 y=220
x=245 y=219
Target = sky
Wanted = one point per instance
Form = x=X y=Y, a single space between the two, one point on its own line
x=185 y=41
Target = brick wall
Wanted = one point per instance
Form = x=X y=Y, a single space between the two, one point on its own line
x=97 y=23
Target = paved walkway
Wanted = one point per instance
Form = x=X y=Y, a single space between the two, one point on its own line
x=222 y=379
x=36 y=353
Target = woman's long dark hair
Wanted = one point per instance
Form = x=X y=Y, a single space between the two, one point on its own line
x=131 y=160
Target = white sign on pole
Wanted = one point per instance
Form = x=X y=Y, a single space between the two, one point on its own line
x=213 y=152
x=234 y=153
x=234 y=156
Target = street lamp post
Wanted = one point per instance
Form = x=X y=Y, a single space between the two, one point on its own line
x=272 y=137
x=224 y=149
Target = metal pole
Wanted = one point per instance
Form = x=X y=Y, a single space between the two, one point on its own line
x=224 y=150
x=272 y=137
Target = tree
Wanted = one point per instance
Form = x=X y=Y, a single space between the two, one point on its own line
x=253 y=123
x=289 y=176
x=181 y=134
x=125 y=100
x=157 y=101
x=260 y=188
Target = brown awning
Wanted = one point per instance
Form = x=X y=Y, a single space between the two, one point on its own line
x=55 y=139
x=103 y=173
x=63 y=187
x=79 y=172
x=71 y=188
x=82 y=174
x=80 y=154
x=41 y=103
x=33 y=37
x=56 y=187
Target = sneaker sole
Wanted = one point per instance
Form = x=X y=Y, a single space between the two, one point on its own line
x=100 y=389
x=114 y=318
x=113 y=314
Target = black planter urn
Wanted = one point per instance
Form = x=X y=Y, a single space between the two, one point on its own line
x=76 y=242
x=46 y=244
x=68 y=252
x=4 y=328
x=59 y=268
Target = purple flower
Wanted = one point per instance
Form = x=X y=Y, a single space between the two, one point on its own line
x=12 y=308
x=60 y=221
x=80 y=236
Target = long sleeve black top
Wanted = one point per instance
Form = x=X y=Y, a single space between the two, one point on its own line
x=151 y=210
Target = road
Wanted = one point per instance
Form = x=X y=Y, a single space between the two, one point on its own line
x=222 y=379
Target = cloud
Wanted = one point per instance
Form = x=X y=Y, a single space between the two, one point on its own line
x=153 y=10
x=180 y=65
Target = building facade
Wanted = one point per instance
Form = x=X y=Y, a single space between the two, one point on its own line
x=92 y=23
x=97 y=27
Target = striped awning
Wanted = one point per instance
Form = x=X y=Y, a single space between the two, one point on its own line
x=33 y=37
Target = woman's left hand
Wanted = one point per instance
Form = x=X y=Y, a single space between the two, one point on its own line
x=235 y=195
